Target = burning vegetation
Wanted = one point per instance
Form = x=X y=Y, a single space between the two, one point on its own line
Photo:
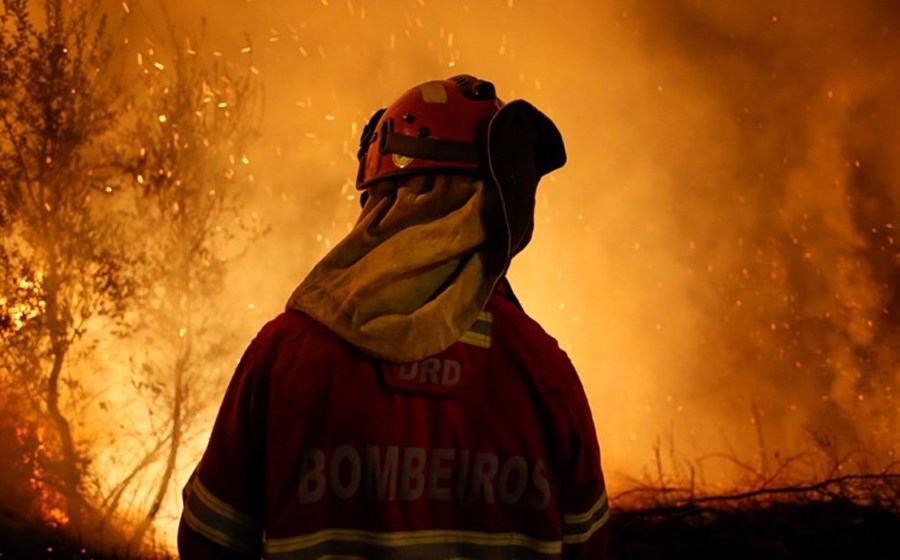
x=120 y=187
x=720 y=258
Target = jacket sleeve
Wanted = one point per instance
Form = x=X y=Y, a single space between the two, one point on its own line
x=223 y=500
x=585 y=502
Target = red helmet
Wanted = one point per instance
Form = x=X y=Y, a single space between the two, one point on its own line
x=436 y=127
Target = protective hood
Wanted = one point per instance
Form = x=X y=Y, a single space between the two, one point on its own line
x=523 y=146
x=414 y=273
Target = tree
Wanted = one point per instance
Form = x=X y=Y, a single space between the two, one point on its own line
x=58 y=111
x=118 y=216
x=200 y=114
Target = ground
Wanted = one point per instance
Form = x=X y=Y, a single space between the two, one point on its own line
x=833 y=529
x=789 y=524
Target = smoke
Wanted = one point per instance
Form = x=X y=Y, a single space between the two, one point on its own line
x=719 y=257
x=770 y=229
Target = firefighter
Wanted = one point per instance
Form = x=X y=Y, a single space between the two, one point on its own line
x=404 y=406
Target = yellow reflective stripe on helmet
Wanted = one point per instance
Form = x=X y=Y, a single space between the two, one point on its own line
x=578 y=528
x=413 y=538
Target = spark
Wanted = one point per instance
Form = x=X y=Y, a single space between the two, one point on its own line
x=126 y=8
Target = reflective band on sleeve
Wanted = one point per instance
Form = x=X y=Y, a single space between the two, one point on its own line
x=578 y=528
x=217 y=521
x=412 y=545
x=215 y=535
x=479 y=334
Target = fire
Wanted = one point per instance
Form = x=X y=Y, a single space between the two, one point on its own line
x=50 y=503
x=26 y=305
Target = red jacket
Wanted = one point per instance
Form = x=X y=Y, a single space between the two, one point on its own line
x=486 y=450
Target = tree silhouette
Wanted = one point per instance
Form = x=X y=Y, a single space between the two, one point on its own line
x=58 y=112
x=119 y=216
x=199 y=116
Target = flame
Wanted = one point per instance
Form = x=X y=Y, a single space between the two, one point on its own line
x=28 y=303
x=51 y=504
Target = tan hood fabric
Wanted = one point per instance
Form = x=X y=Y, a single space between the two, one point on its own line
x=415 y=271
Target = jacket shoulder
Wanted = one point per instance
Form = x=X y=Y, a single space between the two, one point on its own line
x=292 y=329
x=526 y=342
